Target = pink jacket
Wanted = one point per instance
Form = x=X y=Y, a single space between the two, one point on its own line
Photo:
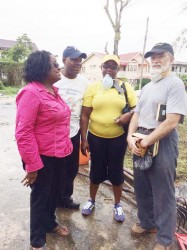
x=42 y=125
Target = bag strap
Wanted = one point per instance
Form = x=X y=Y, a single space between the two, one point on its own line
x=124 y=91
x=125 y=94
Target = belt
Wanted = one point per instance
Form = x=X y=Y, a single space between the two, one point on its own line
x=146 y=129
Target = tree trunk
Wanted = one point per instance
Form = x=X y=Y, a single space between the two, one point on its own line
x=119 y=5
x=116 y=43
x=116 y=40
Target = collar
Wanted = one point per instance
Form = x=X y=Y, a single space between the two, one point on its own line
x=40 y=87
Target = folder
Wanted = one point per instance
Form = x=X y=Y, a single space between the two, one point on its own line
x=161 y=113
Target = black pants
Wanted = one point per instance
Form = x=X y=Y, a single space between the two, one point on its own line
x=107 y=155
x=44 y=194
x=72 y=167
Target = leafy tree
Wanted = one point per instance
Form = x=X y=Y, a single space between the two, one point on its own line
x=20 y=51
x=11 y=61
x=143 y=83
x=2 y=87
x=115 y=21
x=180 y=41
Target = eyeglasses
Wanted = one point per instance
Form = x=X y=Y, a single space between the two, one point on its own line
x=112 y=67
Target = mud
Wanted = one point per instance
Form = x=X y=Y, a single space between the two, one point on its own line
x=99 y=231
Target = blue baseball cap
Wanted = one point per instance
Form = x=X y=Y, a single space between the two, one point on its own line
x=73 y=53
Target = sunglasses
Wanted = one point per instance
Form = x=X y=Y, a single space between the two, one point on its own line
x=56 y=65
x=112 y=67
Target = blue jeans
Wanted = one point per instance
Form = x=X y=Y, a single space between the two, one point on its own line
x=155 y=191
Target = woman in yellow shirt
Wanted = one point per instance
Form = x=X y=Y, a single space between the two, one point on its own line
x=106 y=141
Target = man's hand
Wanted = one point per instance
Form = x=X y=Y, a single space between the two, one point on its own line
x=142 y=149
x=30 y=178
x=132 y=143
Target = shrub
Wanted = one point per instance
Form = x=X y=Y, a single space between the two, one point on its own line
x=12 y=71
x=2 y=87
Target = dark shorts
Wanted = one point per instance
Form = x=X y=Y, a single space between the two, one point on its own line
x=107 y=155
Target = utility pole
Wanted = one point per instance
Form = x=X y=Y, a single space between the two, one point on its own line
x=145 y=40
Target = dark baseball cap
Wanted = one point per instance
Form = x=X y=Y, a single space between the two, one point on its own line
x=73 y=53
x=160 y=48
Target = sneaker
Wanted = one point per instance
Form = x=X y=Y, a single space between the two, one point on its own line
x=118 y=213
x=138 y=230
x=88 y=207
x=40 y=248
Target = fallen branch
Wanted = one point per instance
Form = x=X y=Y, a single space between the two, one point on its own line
x=128 y=171
x=130 y=177
x=125 y=196
x=182 y=230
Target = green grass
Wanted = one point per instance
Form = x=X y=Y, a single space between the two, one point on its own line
x=9 y=90
x=182 y=160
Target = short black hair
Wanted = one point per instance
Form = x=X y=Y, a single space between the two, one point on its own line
x=37 y=66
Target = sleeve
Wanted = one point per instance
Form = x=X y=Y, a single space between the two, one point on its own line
x=27 y=112
x=177 y=99
x=88 y=95
x=131 y=94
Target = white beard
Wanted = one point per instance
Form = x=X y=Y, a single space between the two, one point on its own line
x=156 y=74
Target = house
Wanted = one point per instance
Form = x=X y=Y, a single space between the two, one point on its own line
x=180 y=68
x=7 y=44
x=91 y=66
x=130 y=67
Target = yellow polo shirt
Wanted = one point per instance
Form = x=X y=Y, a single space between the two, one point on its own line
x=107 y=106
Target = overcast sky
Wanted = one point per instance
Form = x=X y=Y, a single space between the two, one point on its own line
x=54 y=24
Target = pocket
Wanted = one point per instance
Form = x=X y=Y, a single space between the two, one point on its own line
x=51 y=105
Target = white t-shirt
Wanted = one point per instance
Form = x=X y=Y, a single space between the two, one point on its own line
x=72 y=92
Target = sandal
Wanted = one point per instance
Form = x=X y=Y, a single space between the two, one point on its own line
x=40 y=248
x=61 y=230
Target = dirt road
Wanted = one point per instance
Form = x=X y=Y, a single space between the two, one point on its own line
x=96 y=232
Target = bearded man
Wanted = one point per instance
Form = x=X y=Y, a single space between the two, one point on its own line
x=154 y=186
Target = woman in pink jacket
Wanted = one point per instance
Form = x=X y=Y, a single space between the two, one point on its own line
x=42 y=134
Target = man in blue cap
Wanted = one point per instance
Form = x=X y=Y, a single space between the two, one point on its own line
x=154 y=187
x=71 y=88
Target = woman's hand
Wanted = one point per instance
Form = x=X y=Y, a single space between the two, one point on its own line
x=85 y=147
x=123 y=119
x=30 y=178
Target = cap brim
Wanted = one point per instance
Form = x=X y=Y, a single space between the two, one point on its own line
x=77 y=55
x=150 y=53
